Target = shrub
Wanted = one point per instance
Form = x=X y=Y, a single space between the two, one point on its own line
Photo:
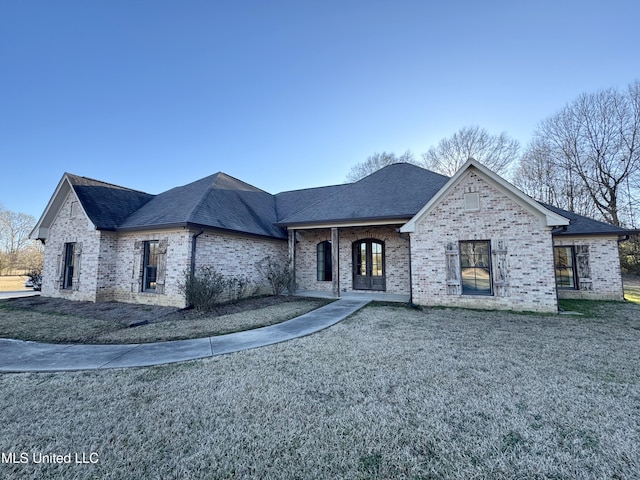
x=35 y=275
x=277 y=272
x=237 y=288
x=202 y=289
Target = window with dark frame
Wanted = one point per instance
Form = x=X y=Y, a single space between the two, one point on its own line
x=69 y=254
x=475 y=267
x=324 y=261
x=564 y=261
x=150 y=266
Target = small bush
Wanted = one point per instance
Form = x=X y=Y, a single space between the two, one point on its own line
x=276 y=271
x=35 y=275
x=237 y=288
x=202 y=289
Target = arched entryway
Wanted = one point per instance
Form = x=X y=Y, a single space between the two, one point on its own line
x=368 y=265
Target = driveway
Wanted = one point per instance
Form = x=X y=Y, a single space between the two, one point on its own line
x=18 y=294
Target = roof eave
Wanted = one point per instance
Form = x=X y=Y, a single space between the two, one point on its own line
x=613 y=233
x=191 y=225
x=346 y=222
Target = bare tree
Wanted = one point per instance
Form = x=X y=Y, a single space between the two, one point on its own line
x=14 y=237
x=543 y=178
x=375 y=162
x=597 y=138
x=14 y=230
x=496 y=152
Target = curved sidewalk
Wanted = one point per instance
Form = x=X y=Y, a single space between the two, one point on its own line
x=21 y=356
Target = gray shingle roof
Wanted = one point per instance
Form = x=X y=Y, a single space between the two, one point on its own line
x=288 y=203
x=396 y=191
x=107 y=205
x=217 y=201
x=580 y=225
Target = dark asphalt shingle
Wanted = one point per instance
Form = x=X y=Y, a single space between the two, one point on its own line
x=223 y=202
x=107 y=205
x=217 y=201
x=580 y=225
x=399 y=190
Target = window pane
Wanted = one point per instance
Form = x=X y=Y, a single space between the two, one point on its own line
x=324 y=261
x=362 y=259
x=69 y=251
x=150 y=265
x=565 y=272
x=320 y=262
x=475 y=267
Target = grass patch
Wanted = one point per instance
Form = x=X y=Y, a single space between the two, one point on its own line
x=53 y=321
x=632 y=294
x=11 y=283
x=394 y=393
x=592 y=308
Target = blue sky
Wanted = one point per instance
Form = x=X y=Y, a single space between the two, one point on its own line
x=283 y=95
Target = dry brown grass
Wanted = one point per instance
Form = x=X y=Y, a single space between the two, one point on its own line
x=62 y=321
x=632 y=288
x=10 y=283
x=389 y=393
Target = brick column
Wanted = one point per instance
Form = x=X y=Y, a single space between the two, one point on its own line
x=335 y=261
x=292 y=261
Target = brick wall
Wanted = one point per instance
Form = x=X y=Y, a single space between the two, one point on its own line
x=527 y=261
x=396 y=250
x=604 y=265
x=71 y=225
x=128 y=268
x=237 y=255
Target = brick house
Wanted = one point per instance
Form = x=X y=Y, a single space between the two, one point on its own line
x=472 y=240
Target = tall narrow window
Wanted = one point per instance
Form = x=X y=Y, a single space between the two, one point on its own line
x=475 y=267
x=565 y=267
x=69 y=253
x=324 y=261
x=150 y=266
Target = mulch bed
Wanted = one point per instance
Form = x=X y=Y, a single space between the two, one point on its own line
x=128 y=312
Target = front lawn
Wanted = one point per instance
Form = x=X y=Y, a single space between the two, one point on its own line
x=391 y=392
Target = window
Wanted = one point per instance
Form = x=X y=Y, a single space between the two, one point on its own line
x=475 y=267
x=324 y=261
x=564 y=260
x=67 y=275
x=150 y=266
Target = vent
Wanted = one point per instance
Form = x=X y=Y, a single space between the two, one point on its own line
x=472 y=201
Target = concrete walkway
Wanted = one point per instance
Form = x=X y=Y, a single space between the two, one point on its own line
x=21 y=356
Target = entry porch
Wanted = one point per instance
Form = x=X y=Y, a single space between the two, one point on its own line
x=371 y=261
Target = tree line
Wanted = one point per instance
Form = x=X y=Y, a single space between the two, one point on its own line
x=18 y=254
x=584 y=158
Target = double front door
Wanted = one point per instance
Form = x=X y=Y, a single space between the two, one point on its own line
x=368 y=265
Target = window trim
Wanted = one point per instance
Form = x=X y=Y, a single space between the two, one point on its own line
x=324 y=257
x=147 y=280
x=574 y=269
x=489 y=266
x=68 y=265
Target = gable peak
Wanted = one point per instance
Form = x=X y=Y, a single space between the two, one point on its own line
x=223 y=181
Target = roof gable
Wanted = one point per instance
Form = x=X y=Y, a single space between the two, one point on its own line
x=104 y=204
x=547 y=217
